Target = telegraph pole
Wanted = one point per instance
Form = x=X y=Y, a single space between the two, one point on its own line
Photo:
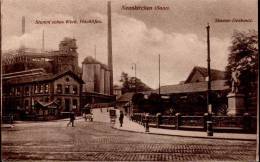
x=209 y=74
x=1 y=97
x=159 y=76
x=134 y=68
x=209 y=122
x=95 y=53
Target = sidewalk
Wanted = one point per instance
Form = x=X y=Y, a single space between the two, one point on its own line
x=7 y=125
x=131 y=126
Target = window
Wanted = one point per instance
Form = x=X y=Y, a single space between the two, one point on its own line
x=75 y=89
x=59 y=88
x=67 y=79
x=46 y=89
x=67 y=104
x=38 y=88
x=26 y=91
x=12 y=91
x=59 y=101
x=67 y=89
x=18 y=91
x=75 y=103
x=26 y=104
x=35 y=89
x=41 y=88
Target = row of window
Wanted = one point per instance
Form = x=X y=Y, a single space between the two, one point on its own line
x=59 y=101
x=67 y=89
x=18 y=91
x=42 y=89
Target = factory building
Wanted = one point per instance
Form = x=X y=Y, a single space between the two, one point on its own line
x=31 y=78
x=47 y=83
x=96 y=76
x=66 y=58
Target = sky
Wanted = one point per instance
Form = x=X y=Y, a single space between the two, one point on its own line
x=178 y=34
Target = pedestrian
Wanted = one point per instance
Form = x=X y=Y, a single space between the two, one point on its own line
x=72 y=118
x=121 y=118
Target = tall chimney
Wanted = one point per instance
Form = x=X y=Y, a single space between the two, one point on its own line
x=109 y=46
x=23 y=25
x=43 y=41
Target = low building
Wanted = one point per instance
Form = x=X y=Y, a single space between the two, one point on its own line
x=190 y=96
x=37 y=93
x=117 y=91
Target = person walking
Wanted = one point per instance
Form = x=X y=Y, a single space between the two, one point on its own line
x=72 y=118
x=121 y=118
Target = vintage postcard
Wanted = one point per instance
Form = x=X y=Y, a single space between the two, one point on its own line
x=129 y=80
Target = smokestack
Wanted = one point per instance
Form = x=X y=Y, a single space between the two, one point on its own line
x=23 y=25
x=43 y=41
x=109 y=45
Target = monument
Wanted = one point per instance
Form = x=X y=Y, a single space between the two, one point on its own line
x=236 y=100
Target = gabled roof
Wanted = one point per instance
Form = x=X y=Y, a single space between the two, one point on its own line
x=215 y=74
x=21 y=79
x=91 y=60
x=69 y=72
x=126 y=97
x=217 y=85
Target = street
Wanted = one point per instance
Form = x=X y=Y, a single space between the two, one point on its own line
x=99 y=142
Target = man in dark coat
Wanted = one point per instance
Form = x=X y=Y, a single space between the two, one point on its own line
x=72 y=118
x=121 y=118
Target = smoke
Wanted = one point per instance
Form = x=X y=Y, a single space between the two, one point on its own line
x=133 y=42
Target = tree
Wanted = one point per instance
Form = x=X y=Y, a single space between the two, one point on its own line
x=132 y=84
x=243 y=57
x=155 y=102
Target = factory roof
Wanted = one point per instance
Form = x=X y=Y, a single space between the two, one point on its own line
x=91 y=60
x=25 y=77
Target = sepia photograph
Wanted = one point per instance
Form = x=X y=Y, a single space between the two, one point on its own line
x=129 y=80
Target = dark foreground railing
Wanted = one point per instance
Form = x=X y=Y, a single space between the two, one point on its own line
x=237 y=124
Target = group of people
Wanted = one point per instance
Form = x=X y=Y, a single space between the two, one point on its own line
x=72 y=118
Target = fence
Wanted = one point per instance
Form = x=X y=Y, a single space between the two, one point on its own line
x=239 y=124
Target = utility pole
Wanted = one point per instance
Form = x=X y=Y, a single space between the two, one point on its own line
x=209 y=122
x=135 y=77
x=95 y=53
x=159 y=76
x=208 y=61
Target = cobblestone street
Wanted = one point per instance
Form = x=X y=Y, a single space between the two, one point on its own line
x=98 y=141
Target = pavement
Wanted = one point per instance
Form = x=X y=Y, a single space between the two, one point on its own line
x=7 y=125
x=101 y=140
x=102 y=115
x=131 y=126
x=98 y=141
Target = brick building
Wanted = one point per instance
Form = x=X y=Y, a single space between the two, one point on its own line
x=40 y=94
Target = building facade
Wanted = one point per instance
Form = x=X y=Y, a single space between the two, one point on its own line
x=52 y=80
x=37 y=93
x=96 y=76
x=190 y=96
